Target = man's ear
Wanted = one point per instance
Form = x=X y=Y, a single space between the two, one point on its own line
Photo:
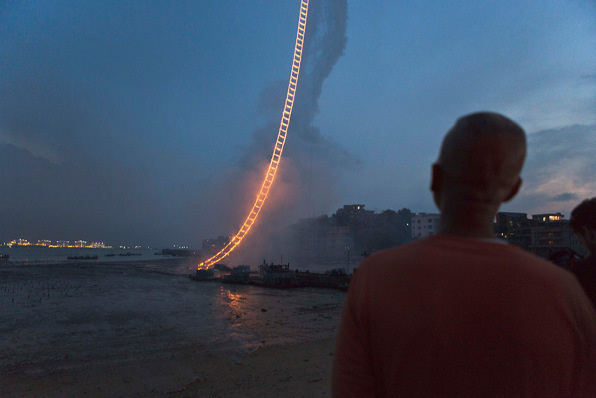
x=436 y=180
x=436 y=184
x=514 y=190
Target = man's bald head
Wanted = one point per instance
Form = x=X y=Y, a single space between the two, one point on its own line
x=480 y=160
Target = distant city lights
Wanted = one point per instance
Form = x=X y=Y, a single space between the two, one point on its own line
x=77 y=244
x=59 y=243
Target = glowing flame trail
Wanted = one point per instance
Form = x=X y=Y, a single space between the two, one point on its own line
x=279 y=145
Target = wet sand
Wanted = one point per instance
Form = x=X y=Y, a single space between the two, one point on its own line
x=299 y=370
x=139 y=330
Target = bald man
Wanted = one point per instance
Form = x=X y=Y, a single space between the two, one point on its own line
x=461 y=313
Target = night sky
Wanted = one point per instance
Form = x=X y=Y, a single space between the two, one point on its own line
x=151 y=122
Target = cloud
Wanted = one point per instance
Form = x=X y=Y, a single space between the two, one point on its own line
x=559 y=170
x=564 y=197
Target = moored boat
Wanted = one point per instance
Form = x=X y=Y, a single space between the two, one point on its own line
x=94 y=257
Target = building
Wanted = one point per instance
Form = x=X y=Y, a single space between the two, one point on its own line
x=547 y=235
x=551 y=233
x=353 y=216
x=425 y=224
x=515 y=228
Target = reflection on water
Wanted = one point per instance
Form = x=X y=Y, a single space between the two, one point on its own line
x=232 y=299
x=258 y=316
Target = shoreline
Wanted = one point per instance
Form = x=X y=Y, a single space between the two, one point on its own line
x=289 y=370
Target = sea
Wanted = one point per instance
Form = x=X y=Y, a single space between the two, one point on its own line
x=59 y=313
x=40 y=254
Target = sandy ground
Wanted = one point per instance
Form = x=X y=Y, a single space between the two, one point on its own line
x=124 y=331
x=299 y=370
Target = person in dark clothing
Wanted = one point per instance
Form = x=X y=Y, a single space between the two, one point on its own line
x=583 y=223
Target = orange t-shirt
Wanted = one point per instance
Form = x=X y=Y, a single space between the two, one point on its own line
x=452 y=316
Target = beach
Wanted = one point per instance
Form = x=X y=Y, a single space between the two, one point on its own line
x=145 y=329
x=297 y=370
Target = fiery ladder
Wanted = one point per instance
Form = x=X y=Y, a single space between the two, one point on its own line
x=279 y=145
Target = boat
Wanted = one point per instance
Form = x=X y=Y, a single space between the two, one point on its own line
x=94 y=257
x=203 y=275
x=277 y=275
x=239 y=275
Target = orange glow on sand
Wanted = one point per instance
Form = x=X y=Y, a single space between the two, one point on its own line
x=278 y=149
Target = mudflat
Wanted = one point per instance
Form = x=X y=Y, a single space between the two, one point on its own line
x=145 y=329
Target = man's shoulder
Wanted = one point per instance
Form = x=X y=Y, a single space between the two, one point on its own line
x=446 y=249
x=438 y=245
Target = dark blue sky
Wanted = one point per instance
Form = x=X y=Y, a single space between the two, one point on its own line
x=150 y=122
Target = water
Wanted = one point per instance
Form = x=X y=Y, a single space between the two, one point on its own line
x=40 y=254
x=69 y=313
